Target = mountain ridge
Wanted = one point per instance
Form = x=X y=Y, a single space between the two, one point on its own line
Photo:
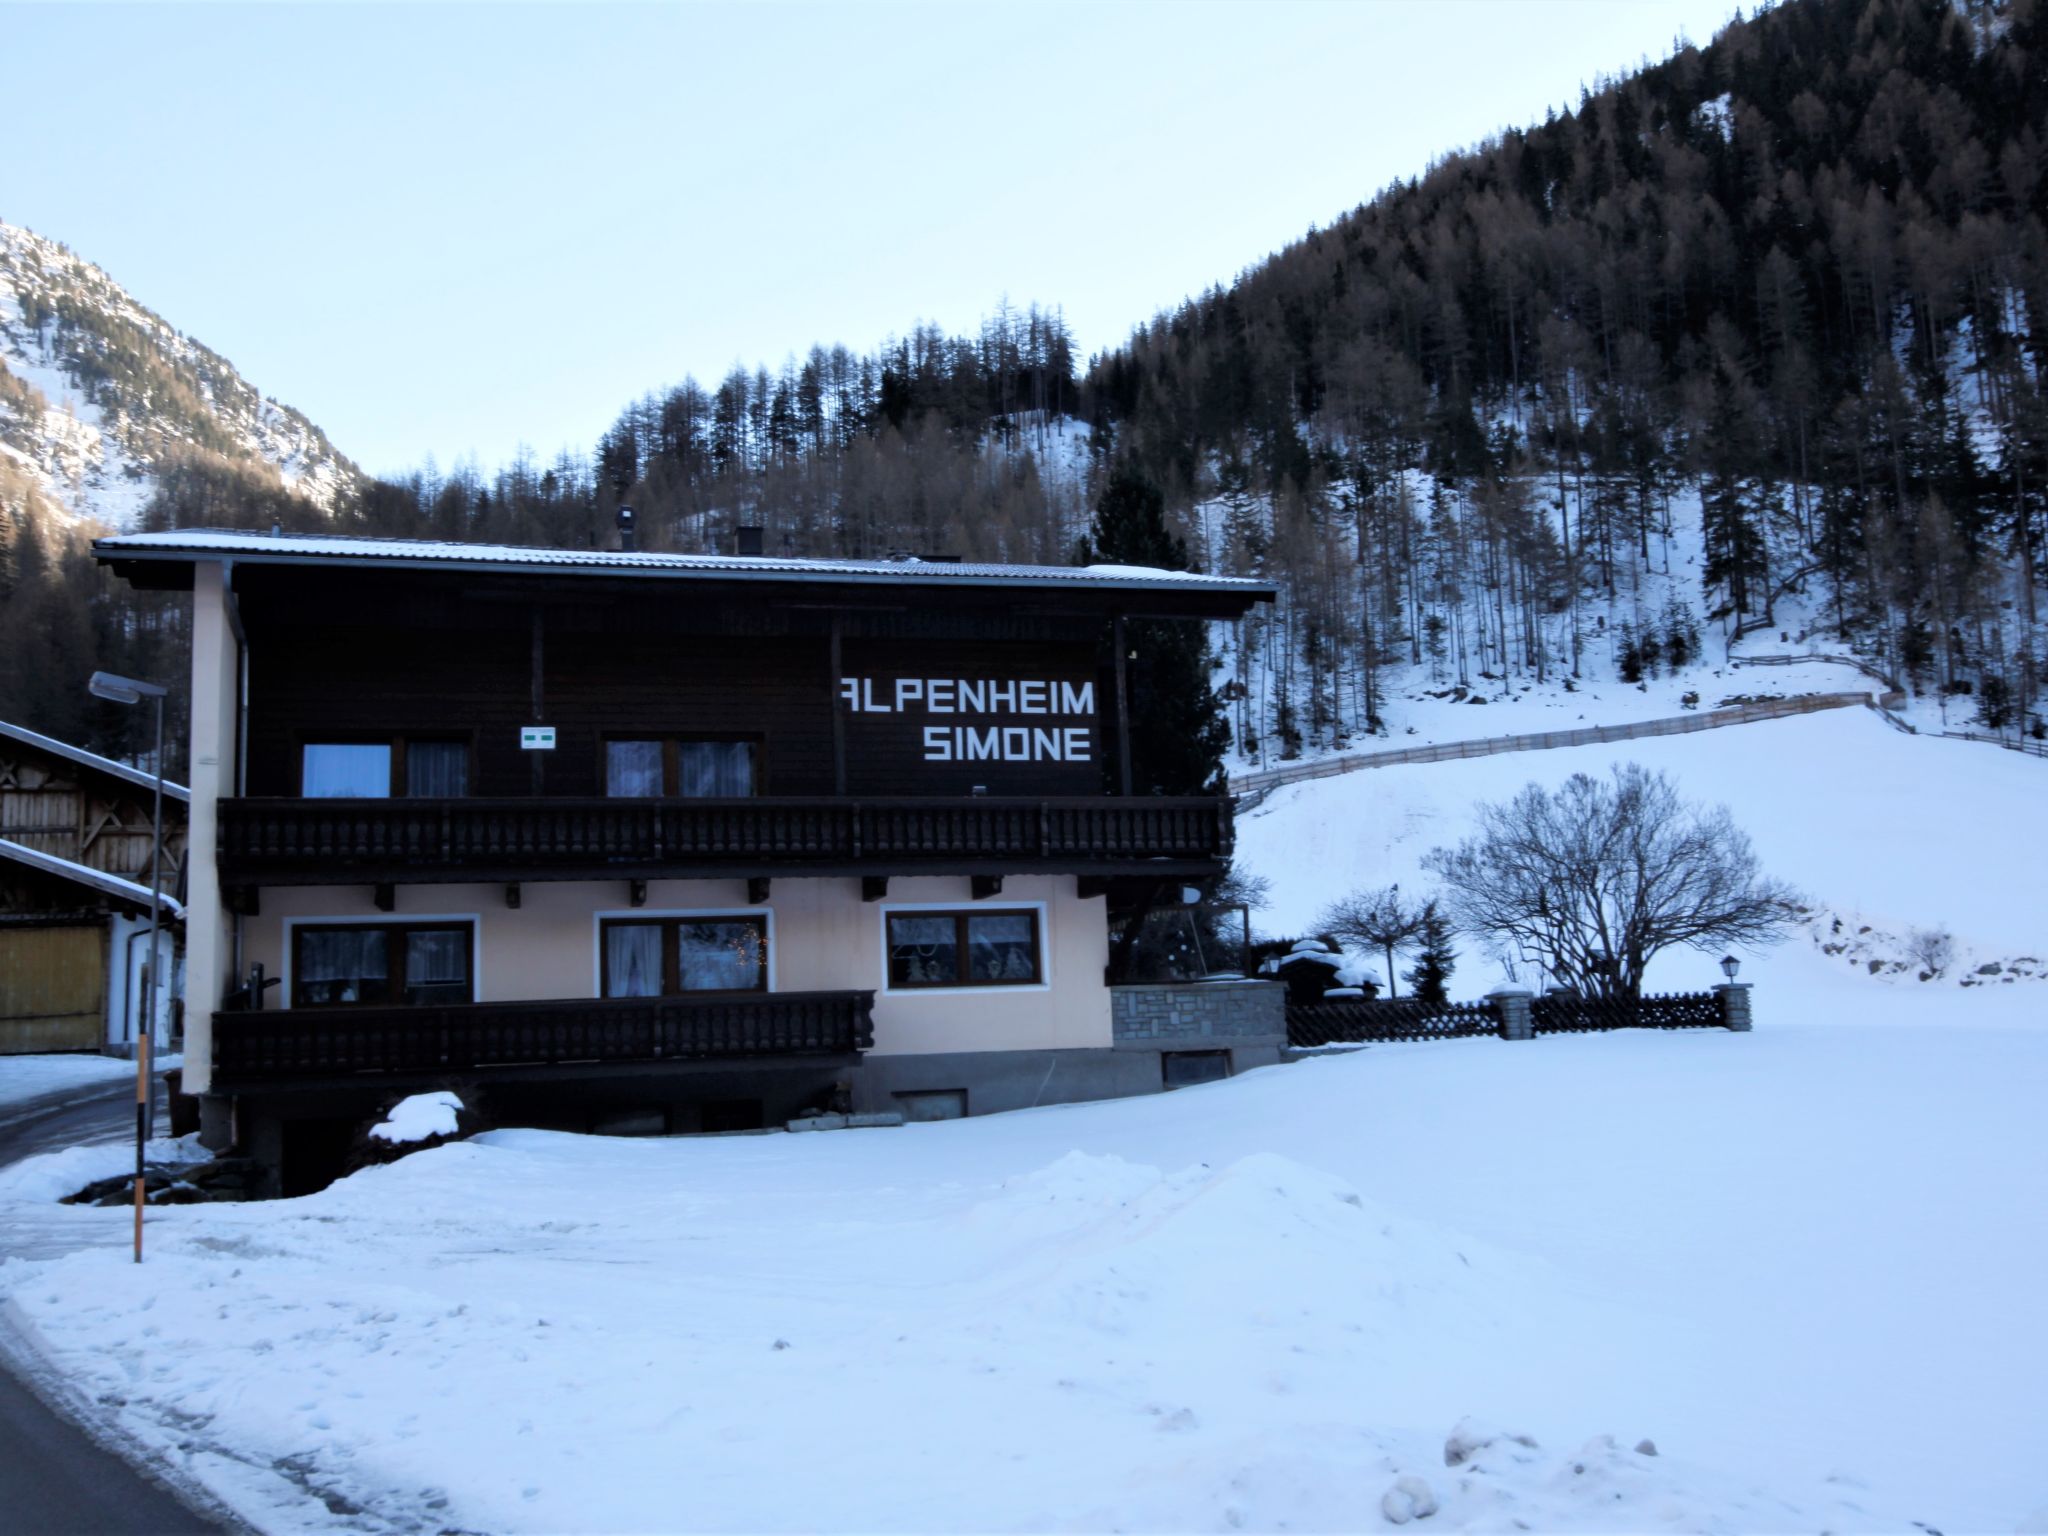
x=100 y=397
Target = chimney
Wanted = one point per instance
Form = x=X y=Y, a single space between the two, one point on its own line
x=746 y=539
x=626 y=529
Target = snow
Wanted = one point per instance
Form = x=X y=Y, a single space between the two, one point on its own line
x=50 y=1176
x=258 y=546
x=1261 y=1304
x=1687 y=1280
x=31 y=1077
x=85 y=874
x=418 y=1117
x=1896 y=831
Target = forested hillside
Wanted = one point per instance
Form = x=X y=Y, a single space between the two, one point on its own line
x=1754 y=334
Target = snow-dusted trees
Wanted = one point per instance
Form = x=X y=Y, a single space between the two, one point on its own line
x=1594 y=878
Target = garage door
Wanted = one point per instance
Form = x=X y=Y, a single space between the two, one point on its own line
x=53 y=989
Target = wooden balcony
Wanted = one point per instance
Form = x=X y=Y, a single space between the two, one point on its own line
x=479 y=1038
x=400 y=841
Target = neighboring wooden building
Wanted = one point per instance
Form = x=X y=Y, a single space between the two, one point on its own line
x=685 y=842
x=75 y=832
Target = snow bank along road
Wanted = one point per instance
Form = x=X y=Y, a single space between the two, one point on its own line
x=1804 y=1262
x=53 y=1476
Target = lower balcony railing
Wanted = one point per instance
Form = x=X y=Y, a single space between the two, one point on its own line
x=291 y=841
x=280 y=1044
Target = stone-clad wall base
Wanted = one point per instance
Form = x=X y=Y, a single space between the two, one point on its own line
x=994 y=1081
x=1240 y=1015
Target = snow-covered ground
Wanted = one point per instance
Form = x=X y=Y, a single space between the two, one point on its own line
x=1878 y=828
x=1804 y=1262
x=31 y=1077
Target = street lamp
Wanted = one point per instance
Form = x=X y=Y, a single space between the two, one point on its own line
x=116 y=689
x=1729 y=966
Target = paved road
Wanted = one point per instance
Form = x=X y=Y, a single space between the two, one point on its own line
x=55 y=1479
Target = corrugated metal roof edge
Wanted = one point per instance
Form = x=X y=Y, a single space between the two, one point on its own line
x=79 y=755
x=85 y=874
x=167 y=547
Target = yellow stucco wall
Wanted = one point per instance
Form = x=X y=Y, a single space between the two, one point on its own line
x=823 y=938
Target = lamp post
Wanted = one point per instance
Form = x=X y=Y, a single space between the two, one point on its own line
x=128 y=690
x=1729 y=966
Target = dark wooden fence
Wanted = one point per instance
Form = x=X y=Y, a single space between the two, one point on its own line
x=295 y=841
x=1361 y=1020
x=1560 y=1013
x=1372 y=1020
x=465 y=1037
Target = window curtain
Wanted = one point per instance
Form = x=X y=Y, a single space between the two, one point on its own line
x=721 y=957
x=356 y=770
x=1000 y=948
x=632 y=768
x=437 y=966
x=716 y=769
x=437 y=768
x=341 y=965
x=632 y=960
x=923 y=950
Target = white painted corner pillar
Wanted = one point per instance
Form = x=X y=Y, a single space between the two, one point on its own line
x=209 y=927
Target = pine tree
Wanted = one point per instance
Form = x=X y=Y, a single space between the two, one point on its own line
x=1435 y=960
x=1178 y=732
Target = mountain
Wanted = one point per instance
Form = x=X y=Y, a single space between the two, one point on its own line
x=100 y=399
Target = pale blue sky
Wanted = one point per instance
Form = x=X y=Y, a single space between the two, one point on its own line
x=452 y=230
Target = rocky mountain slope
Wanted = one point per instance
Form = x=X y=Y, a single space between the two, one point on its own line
x=101 y=397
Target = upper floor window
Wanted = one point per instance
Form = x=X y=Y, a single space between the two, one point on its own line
x=665 y=956
x=964 y=949
x=346 y=769
x=375 y=770
x=697 y=768
x=381 y=963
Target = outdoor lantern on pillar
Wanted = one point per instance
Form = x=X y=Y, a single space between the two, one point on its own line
x=1729 y=966
x=128 y=690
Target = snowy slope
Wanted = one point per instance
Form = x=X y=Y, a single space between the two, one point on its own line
x=97 y=393
x=1881 y=829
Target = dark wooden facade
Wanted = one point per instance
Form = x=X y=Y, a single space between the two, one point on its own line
x=366 y=656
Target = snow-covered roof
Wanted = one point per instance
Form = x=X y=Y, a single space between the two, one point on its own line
x=85 y=874
x=92 y=760
x=339 y=549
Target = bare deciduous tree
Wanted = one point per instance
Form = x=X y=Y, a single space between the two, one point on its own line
x=1594 y=878
x=1376 y=919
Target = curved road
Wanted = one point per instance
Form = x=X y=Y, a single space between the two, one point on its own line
x=55 y=1478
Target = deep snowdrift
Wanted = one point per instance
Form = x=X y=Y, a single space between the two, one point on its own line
x=1803 y=1262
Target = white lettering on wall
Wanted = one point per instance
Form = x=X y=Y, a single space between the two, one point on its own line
x=1008 y=744
x=985 y=696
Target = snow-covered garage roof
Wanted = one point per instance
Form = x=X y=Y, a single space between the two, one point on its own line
x=85 y=874
x=337 y=549
x=91 y=760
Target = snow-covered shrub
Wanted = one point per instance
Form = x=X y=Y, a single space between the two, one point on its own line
x=416 y=1122
x=1934 y=949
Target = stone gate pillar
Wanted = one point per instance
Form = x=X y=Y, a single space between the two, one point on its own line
x=1512 y=1005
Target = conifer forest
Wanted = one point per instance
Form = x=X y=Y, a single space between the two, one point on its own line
x=1759 y=329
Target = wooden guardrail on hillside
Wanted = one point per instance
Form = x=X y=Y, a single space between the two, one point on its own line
x=1257 y=783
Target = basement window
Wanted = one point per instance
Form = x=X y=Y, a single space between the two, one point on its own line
x=1184 y=1069
x=933 y=1104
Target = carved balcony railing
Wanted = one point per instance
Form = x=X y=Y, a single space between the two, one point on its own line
x=355 y=842
x=301 y=1043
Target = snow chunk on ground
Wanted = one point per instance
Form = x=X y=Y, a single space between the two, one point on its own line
x=418 y=1118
